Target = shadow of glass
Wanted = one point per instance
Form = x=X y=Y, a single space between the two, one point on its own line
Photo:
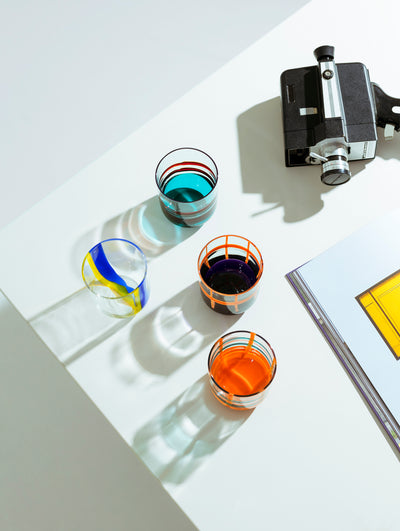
x=145 y=225
x=75 y=325
x=169 y=336
x=179 y=438
x=298 y=191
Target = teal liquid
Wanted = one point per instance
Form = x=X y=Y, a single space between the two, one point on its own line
x=187 y=187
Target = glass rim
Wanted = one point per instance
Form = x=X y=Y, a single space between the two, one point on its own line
x=193 y=149
x=199 y=264
x=131 y=244
x=234 y=394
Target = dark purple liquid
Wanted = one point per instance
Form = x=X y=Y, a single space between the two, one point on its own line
x=230 y=276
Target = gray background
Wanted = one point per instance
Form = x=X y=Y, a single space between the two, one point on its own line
x=63 y=466
x=79 y=76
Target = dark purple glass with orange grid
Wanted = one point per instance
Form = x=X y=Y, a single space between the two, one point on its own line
x=230 y=269
x=241 y=366
x=186 y=180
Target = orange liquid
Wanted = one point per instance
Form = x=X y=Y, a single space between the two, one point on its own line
x=241 y=371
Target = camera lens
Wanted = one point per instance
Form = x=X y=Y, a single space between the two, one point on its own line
x=335 y=171
x=335 y=177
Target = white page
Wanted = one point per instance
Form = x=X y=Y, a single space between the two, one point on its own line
x=338 y=276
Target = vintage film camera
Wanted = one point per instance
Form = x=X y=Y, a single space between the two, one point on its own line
x=330 y=115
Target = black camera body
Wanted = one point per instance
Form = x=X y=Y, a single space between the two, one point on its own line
x=330 y=115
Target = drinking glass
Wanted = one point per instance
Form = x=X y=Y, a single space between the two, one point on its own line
x=186 y=179
x=230 y=269
x=115 y=271
x=241 y=366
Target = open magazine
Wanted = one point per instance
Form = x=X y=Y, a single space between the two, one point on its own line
x=352 y=291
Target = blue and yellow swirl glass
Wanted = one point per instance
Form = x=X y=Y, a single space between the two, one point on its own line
x=115 y=271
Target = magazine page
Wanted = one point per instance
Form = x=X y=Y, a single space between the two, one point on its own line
x=357 y=283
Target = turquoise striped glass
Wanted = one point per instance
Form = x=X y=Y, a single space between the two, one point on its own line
x=186 y=179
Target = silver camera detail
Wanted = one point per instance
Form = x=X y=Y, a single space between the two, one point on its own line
x=330 y=115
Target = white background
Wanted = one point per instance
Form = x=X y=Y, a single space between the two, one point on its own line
x=80 y=76
x=311 y=456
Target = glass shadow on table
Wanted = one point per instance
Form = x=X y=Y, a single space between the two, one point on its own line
x=176 y=442
x=172 y=334
x=145 y=225
x=75 y=325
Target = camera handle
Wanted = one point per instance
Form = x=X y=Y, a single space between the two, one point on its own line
x=385 y=117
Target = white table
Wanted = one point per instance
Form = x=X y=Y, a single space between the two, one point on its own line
x=311 y=456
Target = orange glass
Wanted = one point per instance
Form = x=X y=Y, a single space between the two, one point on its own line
x=241 y=366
